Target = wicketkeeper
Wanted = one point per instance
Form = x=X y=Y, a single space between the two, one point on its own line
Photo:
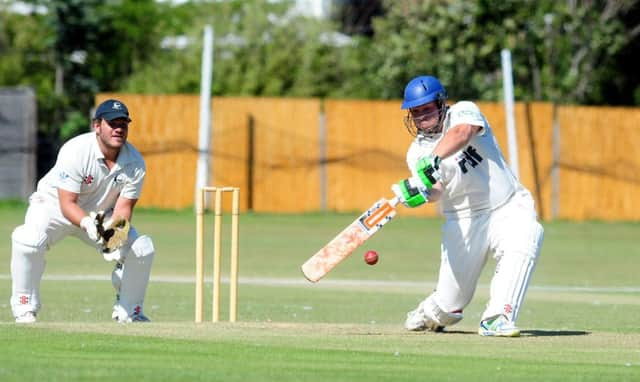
x=455 y=159
x=90 y=193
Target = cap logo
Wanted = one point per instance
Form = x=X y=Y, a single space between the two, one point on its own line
x=116 y=106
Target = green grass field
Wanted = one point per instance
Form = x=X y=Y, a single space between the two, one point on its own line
x=580 y=321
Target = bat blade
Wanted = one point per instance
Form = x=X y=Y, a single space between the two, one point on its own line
x=347 y=241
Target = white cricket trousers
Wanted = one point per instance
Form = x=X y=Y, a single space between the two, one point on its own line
x=512 y=234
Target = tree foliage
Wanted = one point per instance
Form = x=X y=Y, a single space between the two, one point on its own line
x=78 y=47
x=570 y=51
x=68 y=53
x=26 y=58
x=563 y=51
x=260 y=48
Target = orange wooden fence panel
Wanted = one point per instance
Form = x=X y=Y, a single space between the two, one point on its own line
x=534 y=123
x=362 y=152
x=599 y=164
x=286 y=151
x=366 y=153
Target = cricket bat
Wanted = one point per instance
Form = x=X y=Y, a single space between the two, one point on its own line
x=349 y=239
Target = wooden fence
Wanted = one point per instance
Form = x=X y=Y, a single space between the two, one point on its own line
x=296 y=155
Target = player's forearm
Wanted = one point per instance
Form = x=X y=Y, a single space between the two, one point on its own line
x=454 y=140
x=124 y=208
x=435 y=193
x=69 y=206
x=72 y=212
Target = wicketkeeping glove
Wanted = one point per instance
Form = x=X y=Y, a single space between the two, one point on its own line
x=428 y=170
x=115 y=255
x=114 y=233
x=411 y=192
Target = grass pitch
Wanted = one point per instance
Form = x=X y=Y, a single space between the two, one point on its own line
x=580 y=318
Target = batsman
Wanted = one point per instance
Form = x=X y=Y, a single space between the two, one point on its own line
x=455 y=160
x=89 y=193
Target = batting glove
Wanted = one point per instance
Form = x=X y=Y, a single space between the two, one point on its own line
x=428 y=170
x=411 y=192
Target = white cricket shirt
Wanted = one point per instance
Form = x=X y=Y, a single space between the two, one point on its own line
x=80 y=168
x=476 y=178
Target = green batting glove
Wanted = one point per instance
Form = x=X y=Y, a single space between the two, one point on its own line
x=411 y=192
x=428 y=170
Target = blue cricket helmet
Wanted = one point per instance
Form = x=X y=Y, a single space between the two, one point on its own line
x=421 y=90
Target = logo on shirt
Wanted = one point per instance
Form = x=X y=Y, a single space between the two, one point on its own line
x=465 y=113
x=63 y=176
x=469 y=157
x=88 y=179
x=119 y=179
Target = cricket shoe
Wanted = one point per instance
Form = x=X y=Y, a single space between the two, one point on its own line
x=417 y=321
x=499 y=326
x=122 y=317
x=138 y=317
x=26 y=318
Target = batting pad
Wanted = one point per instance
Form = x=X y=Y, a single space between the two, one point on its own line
x=135 y=275
x=27 y=266
x=513 y=273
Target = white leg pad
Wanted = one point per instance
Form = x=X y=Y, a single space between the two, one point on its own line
x=430 y=316
x=511 y=278
x=116 y=277
x=27 y=266
x=134 y=277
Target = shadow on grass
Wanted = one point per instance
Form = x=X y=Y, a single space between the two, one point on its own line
x=554 y=333
x=531 y=333
x=523 y=333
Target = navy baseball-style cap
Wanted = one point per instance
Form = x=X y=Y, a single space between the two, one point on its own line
x=112 y=109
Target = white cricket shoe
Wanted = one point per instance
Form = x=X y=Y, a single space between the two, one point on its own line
x=417 y=321
x=135 y=318
x=123 y=318
x=499 y=326
x=26 y=318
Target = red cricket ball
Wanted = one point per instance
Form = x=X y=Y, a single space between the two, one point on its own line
x=371 y=257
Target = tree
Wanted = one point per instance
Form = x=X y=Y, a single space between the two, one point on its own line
x=68 y=53
x=261 y=49
x=354 y=16
x=569 y=48
x=98 y=44
x=26 y=58
x=562 y=51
